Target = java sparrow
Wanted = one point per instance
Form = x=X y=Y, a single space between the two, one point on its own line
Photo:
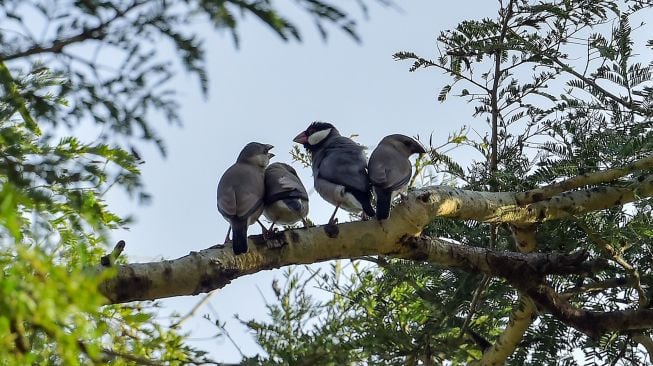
x=390 y=169
x=339 y=168
x=286 y=200
x=241 y=191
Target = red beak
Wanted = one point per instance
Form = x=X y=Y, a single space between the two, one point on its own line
x=301 y=138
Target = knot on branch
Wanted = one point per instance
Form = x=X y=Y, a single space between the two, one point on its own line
x=417 y=246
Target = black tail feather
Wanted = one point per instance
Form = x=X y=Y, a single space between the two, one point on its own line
x=383 y=200
x=365 y=201
x=239 y=230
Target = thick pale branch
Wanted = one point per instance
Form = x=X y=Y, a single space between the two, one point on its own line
x=588 y=200
x=211 y=269
x=520 y=320
x=504 y=207
x=522 y=316
x=588 y=179
x=205 y=270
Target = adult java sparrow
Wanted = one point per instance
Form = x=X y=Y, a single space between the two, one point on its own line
x=339 y=168
x=241 y=191
x=390 y=169
x=286 y=200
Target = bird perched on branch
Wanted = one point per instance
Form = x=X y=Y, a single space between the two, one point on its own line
x=286 y=200
x=241 y=191
x=390 y=169
x=339 y=168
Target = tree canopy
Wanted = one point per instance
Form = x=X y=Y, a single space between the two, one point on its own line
x=54 y=221
x=538 y=252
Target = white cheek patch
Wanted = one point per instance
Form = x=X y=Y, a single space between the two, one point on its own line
x=318 y=136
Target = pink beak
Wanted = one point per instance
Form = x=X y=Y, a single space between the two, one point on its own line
x=301 y=138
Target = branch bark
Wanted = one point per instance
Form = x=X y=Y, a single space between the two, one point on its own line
x=599 y=177
x=523 y=315
x=397 y=237
x=521 y=318
x=209 y=269
x=591 y=323
x=214 y=268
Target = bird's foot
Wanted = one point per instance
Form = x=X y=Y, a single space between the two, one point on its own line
x=364 y=217
x=275 y=243
x=331 y=229
x=307 y=223
x=271 y=233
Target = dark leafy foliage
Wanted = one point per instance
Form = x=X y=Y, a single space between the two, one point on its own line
x=123 y=95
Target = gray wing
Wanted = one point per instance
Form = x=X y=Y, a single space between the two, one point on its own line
x=240 y=191
x=343 y=162
x=388 y=168
x=282 y=181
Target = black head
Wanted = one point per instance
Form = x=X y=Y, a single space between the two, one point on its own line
x=315 y=134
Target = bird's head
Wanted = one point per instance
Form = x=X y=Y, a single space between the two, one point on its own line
x=315 y=134
x=256 y=153
x=405 y=144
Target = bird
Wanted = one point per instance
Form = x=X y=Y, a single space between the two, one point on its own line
x=339 y=168
x=241 y=191
x=390 y=169
x=286 y=200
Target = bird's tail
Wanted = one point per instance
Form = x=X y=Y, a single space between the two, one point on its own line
x=383 y=200
x=365 y=201
x=239 y=229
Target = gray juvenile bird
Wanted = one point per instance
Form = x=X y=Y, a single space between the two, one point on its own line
x=390 y=169
x=339 y=168
x=241 y=191
x=286 y=200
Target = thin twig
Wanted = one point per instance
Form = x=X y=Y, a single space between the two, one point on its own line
x=476 y=299
x=58 y=45
x=194 y=310
x=609 y=250
x=225 y=332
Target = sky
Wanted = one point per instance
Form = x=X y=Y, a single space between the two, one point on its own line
x=268 y=91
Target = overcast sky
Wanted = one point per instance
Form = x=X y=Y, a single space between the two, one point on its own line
x=268 y=91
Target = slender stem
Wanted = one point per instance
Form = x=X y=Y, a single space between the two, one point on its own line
x=58 y=45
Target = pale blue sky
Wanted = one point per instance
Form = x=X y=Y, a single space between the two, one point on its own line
x=268 y=91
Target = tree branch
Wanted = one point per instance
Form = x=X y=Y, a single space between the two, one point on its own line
x=522 y=316
x=520 y=320
x=211 y=269
x=603 y=176
x=205 y=270
x=58 y=45
x=591 y=323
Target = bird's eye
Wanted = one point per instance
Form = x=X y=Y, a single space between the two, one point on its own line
x=310 y=131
